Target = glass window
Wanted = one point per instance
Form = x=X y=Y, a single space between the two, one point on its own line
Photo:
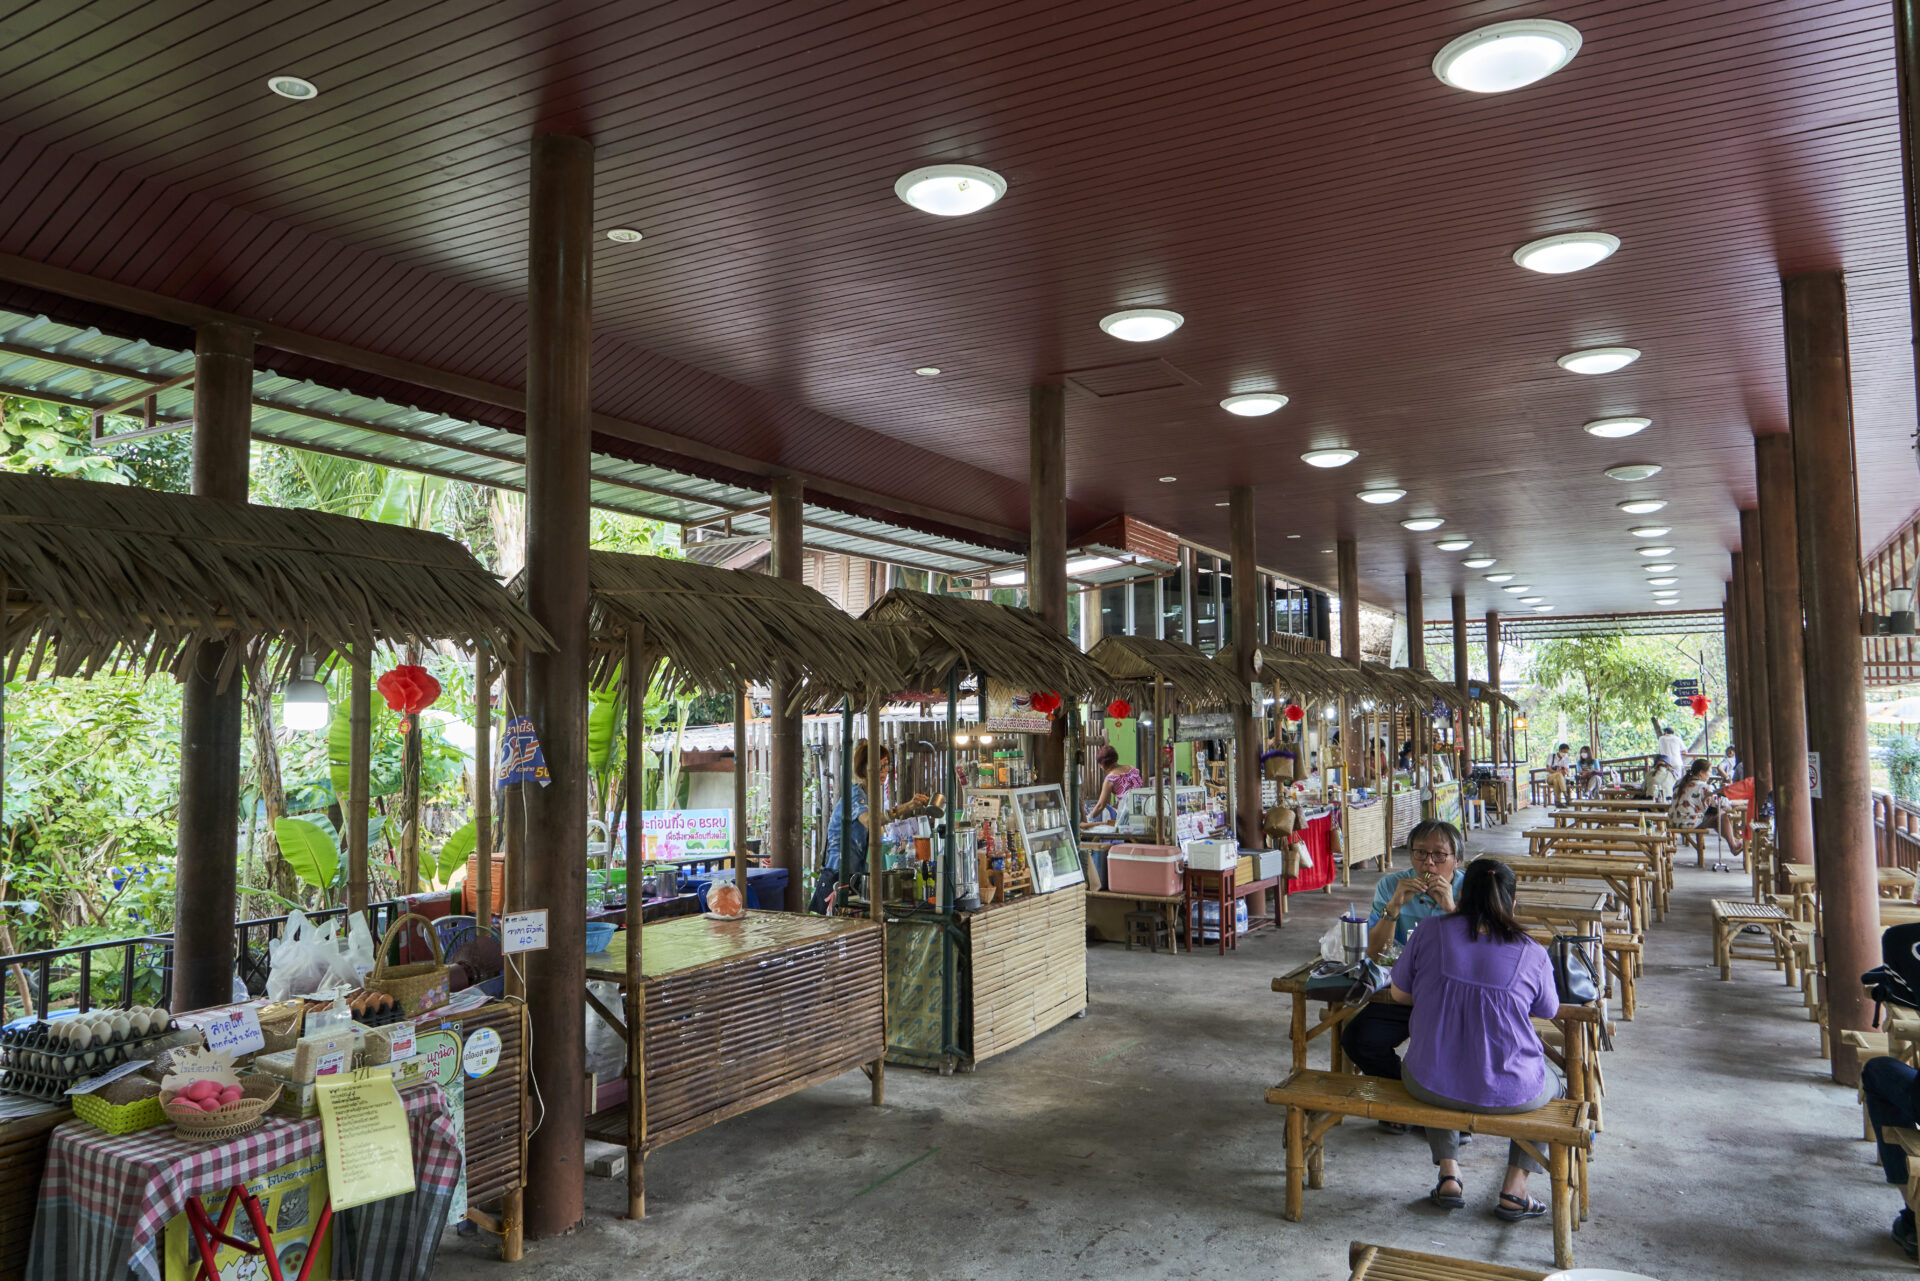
x=1172 y=603
x=1113 y=611
x=1206 y=597
x=1143 y=607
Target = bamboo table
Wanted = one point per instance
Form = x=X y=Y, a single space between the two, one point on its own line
x=1629 y=876
x=739 y=1014
x=1656 y=846
x=1294 y=984
x=1381 y=1263
x=1801 y=885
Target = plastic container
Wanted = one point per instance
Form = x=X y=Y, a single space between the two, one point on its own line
x=599 y=934
x=766 y=886
x=1144 y=869
x=1213 y=856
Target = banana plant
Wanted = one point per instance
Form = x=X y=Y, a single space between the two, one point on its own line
x=309 y=850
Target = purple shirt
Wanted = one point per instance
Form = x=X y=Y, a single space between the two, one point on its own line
x=1472 y=1037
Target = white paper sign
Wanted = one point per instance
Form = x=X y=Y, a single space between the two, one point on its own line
x=524 y=931
x=481 y=1053
x=1813 y=774
x=93 y=1083
x=234 y=1029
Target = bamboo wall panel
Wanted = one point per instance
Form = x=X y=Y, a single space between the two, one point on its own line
x=1029 y=968
x=1366 y=832
x=495 y=1105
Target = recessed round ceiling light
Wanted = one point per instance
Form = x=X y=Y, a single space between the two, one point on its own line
x=1329 y=457
x=1542 y=609
x=292 y=87
x=1598 y=360
x=1381 y=495
x=1616 y=428
x=1666 y=593
x=1253 y=404
x=1168 y=480
x=1655 y=551
x=1659 y=569
x=624 y=236
x=1498 y=578
x=1326 y=551
x=928 y=371
x=1477 y=562
x=1531 y=600
x=1454 y=544
x=1142 y=324
x=1516 y=588
x=1650 y=531
x=1661 y=582
x=1506 y=55
x=1573 y=251
x=1421 y=524
x=950 y=190
x=1634 y=471
x=1641 y=506
x=1293 y=535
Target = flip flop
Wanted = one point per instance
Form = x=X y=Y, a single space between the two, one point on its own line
x=1515 y=1208
x=1457 y=1201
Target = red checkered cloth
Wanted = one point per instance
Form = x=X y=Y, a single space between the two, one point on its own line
x=105 y=1199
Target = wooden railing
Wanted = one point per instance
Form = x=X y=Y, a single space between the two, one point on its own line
x=1896 y=832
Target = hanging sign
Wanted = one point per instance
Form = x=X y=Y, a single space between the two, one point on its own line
x=672 y=834
x=1011 y=710
x=1813 y=775
x=1686 y=688
x=1193 y=727
x=524 y=931
x=363 y=1125
x=521 y=759
x=232 y=1028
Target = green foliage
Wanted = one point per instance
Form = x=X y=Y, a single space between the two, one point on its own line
x=1612 y=687
x=1903 y=767
x=309 y=850
x=455 y=850
x=56 y=440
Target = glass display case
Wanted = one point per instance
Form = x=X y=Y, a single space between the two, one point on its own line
x=1188 y=803
x=1036 y=824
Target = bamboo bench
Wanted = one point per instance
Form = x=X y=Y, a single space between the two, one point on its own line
x=1731 y=918
x=1383 y=1263
x=1317 y=1101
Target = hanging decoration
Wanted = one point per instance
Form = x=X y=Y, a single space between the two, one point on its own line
x=409 y=690
x=1296 y=713
x=1119 y=709
x=1699 y=704
x=1044 y=703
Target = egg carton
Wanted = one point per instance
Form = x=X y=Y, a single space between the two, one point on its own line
x=45 y=1073
x=77 y=1032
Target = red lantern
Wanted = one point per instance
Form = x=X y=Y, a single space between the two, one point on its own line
x=1296 y=713
x=1699 y=704
x=1119 y=709
x=409 y=690
x=1044 y=703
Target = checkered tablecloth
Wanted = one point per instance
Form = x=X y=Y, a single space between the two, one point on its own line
x=105 y=1200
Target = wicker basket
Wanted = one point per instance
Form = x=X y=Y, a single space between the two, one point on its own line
x=496 y=891
x=419 y=985
x=119 y=1118
x=233 y=1120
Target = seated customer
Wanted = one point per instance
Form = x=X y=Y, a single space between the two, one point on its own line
x=1690 y=802
x=1401 y=901
x=1891 y=1090
x=1476 y=982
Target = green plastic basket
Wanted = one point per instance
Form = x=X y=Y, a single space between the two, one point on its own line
x=119 y=1118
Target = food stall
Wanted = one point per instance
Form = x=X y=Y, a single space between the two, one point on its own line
x=986 y=939
x=102 y=578
x=720 y=1016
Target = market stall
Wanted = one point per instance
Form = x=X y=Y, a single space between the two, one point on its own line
x=986 y=946
x=105 y=578
x=722 y=1016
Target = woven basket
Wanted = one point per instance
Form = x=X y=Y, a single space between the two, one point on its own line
x=419 y=985
x=119 y=1118
x=496 y=891
x=233 y=1120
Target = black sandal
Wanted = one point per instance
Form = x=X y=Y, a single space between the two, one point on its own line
x=1515 y=1208
x=1458 y=1201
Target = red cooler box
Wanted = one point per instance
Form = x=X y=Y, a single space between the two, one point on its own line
x=1144 y=869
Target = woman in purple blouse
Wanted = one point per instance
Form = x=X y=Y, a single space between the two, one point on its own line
x=1476 y=982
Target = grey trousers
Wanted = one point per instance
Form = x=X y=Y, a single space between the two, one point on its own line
x=1445 y=1144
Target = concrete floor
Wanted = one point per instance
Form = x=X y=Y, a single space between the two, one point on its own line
x=1135 y=1143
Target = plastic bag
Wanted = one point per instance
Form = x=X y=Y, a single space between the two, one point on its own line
x=355 y=955
x=1331 y=948
x=301 y=960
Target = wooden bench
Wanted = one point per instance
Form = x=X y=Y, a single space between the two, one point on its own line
x=1383 y=1263
x=1316 y=1102
x=1730 y=920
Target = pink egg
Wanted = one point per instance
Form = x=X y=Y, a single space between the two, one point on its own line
x=232 y=1094
x=210 y=1105
x=203 y=1089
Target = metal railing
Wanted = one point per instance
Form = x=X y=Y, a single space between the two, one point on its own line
x=145 y=964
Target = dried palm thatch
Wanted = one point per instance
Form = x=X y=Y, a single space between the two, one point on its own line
x=103 y=576
x=935 y=635
x=1193 y=680
x=1304 y=673
x=1432 y=687
x=717 y=629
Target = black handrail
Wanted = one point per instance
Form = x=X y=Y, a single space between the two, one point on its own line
x=42 y=963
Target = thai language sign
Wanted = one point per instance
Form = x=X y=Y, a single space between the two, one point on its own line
x=689 y=833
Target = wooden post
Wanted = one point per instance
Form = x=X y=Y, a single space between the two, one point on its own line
x=1820 y=406
x=1163 y=830
x=785 y=830
x=740 y=790
x=410 y=761
x=1047 y=545
x=513 y=815
x=1416 y=622
x=483 y=788
x=1348 y=556
x=1733 y=642
x=1786 y=670
x=1464 y=737
x=359 y=762
x=1493 y=683
x=1248 y=586
x=208 y=822
x=877 y=1070
x=636 y=1004
x=558 y=431
x=1753 y=595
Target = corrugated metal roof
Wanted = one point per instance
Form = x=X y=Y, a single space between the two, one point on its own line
x=1523 y=627
x=89 y=369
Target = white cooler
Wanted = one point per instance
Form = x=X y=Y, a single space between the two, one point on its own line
x=1213 y=855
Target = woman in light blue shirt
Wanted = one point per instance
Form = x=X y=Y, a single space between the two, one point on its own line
x=837 y=839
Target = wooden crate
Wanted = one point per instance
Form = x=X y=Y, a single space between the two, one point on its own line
x=1027 y=968
x=23 y=1156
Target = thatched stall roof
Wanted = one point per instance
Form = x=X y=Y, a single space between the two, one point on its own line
x=1193 y=680
x=934 y=635
x=719 y=628
x=1431 y=686
x=104 y=575
x=1301 y=673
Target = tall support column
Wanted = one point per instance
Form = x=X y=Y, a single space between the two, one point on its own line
x=1737 y=662
x=1820 y=409
x=1461 y=681
x=1188 y=596
x=1347 y=554
x=1416 y=622
x=1730 y=644
x=1047 y=539
x=785 y=832
x=1753 y=558
x=1493 y=683
x=1248 y=592
x=209 y=812
x=559 y=337
x=1786 y=670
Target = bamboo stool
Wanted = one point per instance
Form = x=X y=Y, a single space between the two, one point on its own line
x=1730 y=918
x=1148 y=930
x=1382 y=1263
x=1871 y=1045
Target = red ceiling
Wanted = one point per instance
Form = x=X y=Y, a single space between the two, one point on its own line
x=1331 y=219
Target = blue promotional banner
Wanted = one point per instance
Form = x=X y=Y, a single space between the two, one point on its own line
x=520 y=756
